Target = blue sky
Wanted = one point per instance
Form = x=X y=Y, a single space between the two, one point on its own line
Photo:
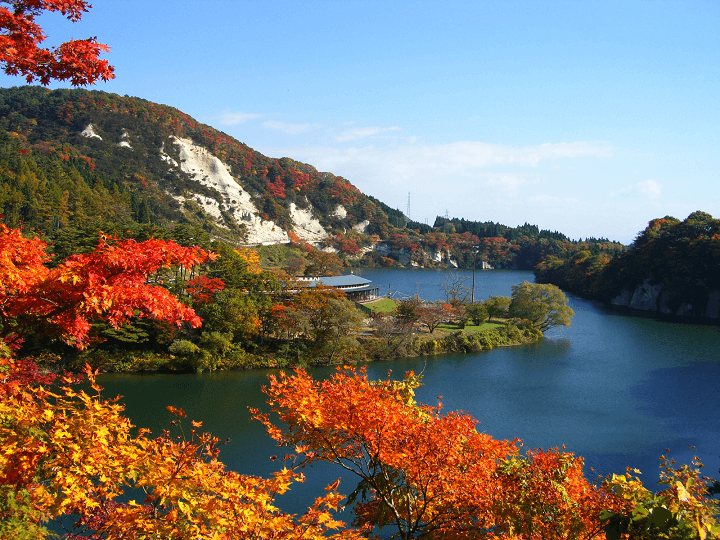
x=590 y=118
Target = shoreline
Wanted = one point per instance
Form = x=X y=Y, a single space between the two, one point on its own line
x=374 y=349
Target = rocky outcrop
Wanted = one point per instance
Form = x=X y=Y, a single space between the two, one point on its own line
x=712 y=310
x=658 y=299
x=211 y=172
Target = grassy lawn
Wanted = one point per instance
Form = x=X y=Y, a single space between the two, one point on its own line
x=383 y=305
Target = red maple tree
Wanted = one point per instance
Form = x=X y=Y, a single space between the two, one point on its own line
x=76 y=60
x=109 y=284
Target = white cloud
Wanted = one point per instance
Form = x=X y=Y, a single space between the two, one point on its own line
x=505 y=184
x=360 y=132
x=623 y=192
x=470 y=179
x=290 y=129
x=416 y=161
x=551 y=200
x=234 y=118
x=649 y=188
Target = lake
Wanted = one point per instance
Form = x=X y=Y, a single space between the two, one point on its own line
x=615 y=389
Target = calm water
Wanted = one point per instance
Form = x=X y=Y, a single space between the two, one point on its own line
x=617 y=390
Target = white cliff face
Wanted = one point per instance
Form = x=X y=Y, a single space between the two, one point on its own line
x=340 y=211
x=211 y=172
x=306 y=226
x=361 y=227
x=124 y=142
x=167 y=158
x=89 y=132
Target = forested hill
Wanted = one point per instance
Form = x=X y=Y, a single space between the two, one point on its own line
x=672 y=267
x=74 y=162
x=156 y=165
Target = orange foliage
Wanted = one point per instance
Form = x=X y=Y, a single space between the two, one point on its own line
x=277 y=188
x=302 y=244
x=109 y=283
x=202 y=289
x=426 y=473
x=66 y=452
x=252 y=258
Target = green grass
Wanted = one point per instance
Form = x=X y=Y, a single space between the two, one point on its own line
x=383 y=305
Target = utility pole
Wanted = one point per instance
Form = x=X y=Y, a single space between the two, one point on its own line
x=407 y=212
x=472 y=293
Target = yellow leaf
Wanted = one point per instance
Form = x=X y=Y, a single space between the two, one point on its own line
x=683 y=495
x=184 y=508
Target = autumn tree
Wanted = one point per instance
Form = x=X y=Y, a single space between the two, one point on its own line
x=431 y=475
x=235 y=311
x=544 y=305
x=684 y=508
x=433 y=315
x=322 y=263
x=428 y=474
x=455 y=288
x=295 y=266
x=328 y=320
x=240 y=302
x=497 y=306
x=69 y=453
x=477 y=312
x=234 y=300
x=406 y=312
x=20 y=45
x=237 y=268
x=394 y=337
x=108 y=284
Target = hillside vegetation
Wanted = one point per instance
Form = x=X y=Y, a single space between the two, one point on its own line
x=73 y=162
x=672 y=264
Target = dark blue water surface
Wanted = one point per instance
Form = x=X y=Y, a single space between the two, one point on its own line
x=616 y=389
